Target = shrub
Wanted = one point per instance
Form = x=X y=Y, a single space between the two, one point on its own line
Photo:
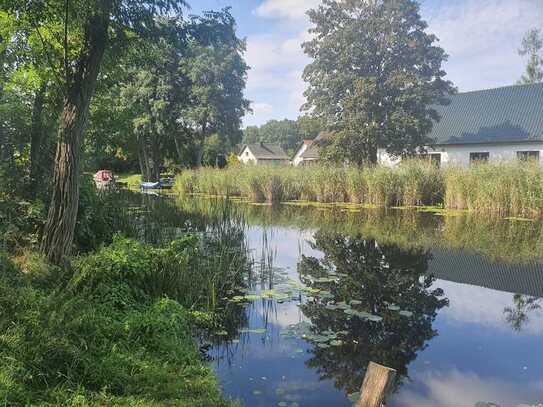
x=99 y=335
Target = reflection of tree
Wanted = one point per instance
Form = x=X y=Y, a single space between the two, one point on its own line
x=374 y=275
x=517 y=315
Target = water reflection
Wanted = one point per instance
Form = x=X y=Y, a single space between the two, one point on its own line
x=375 y=277
x=366 y=265
x=518 y=314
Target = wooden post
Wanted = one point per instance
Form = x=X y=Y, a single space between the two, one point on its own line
x=378 y=383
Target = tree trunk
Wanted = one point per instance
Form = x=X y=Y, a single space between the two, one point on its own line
x=61 y=220
x=36 y=137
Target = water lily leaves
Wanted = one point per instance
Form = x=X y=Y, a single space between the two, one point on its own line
x=323 y=345
x=363 y=315
x=257 y=392
x=283 y=404
x=405 y=313
x=221 y=333
x=258 y=331
x=252 y=297
x=356 y=302
x=325 y=280
x=336 y=342
x=393 y=307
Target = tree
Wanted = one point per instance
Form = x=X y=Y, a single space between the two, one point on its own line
x=532 y=46
x=217 y=74
x=82 y=31
x=374 y=77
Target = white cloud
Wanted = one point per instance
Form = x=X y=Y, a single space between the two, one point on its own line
x=261 y=108
x=464 y=389
x=482 y=38
x=290 y=9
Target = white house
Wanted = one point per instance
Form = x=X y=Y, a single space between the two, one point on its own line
x=263 y=153
x=487 y=125
x=298 y=157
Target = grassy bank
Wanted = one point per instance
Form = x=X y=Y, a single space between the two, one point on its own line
x=505 y=189
x=116 y=326
x=114 y=329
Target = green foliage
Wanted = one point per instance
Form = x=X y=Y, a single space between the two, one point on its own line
x=532 y=46
x=102 y=332
x=374 y=76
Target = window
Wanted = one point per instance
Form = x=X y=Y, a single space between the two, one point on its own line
x=475 y=158
x=435 y=159
x=247 y=153
x=528 y=155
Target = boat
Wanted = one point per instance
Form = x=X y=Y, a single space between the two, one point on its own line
x=149 y=185
x=163 y=183
x=104 y=179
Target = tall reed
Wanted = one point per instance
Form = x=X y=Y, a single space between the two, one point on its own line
x=514 y=189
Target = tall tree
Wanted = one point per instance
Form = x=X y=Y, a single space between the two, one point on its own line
x=83 y=30
x=532 y=46
x=217 y=74
x=375 y=74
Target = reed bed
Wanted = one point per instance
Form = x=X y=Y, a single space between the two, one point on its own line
x=504 y=189
x=413 y=183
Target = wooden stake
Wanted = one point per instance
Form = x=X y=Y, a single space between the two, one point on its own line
x=378 y=383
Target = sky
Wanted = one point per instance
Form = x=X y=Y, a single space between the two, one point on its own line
x=481 y=38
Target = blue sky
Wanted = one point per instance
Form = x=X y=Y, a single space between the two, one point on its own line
x=480 y=36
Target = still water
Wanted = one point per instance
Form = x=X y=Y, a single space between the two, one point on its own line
x=451 y=302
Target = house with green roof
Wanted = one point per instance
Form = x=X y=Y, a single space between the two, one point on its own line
x=487 y=125
x=263 y=153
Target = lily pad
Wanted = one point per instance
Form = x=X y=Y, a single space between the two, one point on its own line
x=259 y=331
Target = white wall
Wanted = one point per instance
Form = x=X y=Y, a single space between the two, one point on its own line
x=298 y=157
x=247 y=156
x=459 y=154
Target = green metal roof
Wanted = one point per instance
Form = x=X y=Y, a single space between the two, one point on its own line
x=502 y=115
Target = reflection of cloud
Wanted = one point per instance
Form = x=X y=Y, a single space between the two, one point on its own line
x=483 y=306
x=463 y=389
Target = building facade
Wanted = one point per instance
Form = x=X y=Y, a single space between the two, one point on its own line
x=263 y=154
x=488 y=125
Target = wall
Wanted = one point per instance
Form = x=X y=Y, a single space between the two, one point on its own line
x=459 y=154
x=298 y=157
x=247 y=156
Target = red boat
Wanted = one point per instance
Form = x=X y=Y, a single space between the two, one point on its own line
x=104 y=179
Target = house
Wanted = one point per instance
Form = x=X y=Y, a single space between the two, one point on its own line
x=308 y=153
x=486 y=125
x=297 y=159
x=263 y=153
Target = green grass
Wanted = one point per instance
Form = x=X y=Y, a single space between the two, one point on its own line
x=132 y=180
x=504 y=189
x=111 y=330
